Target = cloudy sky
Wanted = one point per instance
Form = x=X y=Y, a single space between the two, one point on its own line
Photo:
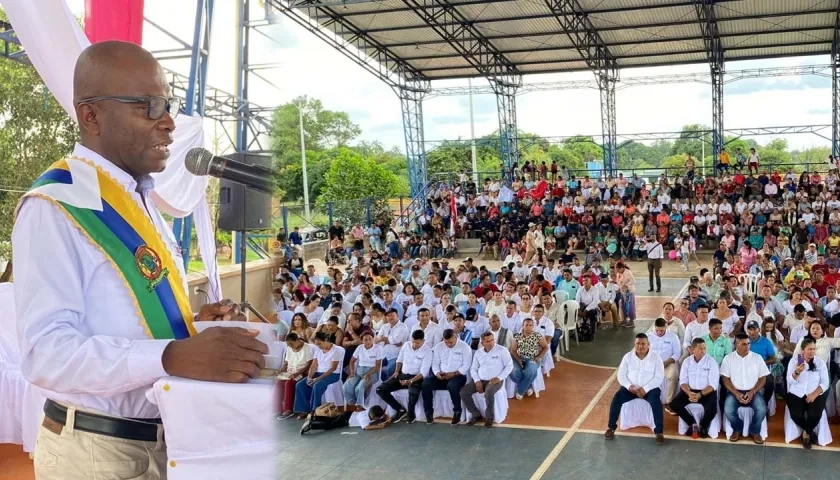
x=310 y=67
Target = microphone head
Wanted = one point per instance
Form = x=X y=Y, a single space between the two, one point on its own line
x=198 y=161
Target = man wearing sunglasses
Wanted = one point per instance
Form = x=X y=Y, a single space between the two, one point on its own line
x=100 y=289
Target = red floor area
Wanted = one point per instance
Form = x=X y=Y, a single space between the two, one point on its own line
x=14 y=463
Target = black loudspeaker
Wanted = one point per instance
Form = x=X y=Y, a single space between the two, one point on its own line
x=242 y=209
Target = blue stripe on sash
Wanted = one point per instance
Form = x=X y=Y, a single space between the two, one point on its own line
x=132 y=241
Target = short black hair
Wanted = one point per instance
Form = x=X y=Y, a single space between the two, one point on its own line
x=659 y=322
x=418 y=335
x=642 y=335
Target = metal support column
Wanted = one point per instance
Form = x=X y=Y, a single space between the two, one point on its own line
x=606 y=85
x=411 y=101
x=505 y=90
x=196 y=90
x=714 y=51
x=835 y=89
x=575 y=22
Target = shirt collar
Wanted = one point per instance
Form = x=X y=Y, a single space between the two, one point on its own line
x=141 y=184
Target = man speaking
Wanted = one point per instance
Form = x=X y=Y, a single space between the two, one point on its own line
x=100 y=288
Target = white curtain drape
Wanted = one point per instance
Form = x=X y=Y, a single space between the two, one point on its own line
x=53 y=41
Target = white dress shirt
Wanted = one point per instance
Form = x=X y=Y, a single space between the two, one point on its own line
x=654 y=250
x=744 y=372
x=808 y=380
x=694 y=330
x=446 y=360
x=514 y=323
x=396 y=335
x=367 y=357
x=699 y=375
x=433 y=334
x=588 y=299
x=415 y=361
x=647 y=373
x=608 y=292
x=81 y=338
x=493 y=364
x=545 y=326
x=667 y=346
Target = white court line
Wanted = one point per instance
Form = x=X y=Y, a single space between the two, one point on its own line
x=555 y=452
x=748 y=442
x=564 y=359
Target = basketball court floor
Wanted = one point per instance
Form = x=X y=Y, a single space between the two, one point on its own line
x=558 y=436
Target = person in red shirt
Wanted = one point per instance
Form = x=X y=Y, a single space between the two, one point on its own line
x=776 y=178
x=819 y=284
x=663 y=219
x=740 y=179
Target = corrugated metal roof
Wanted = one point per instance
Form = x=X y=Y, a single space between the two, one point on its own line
x=636 y=32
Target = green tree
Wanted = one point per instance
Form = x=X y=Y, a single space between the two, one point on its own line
x=690 y=141
x=353 y=178
x=34 y=132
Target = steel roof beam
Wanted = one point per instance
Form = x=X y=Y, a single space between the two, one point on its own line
x=611 y=28
x=353 y=43
x=630 y=8
x=626 y=82
x=650 y=41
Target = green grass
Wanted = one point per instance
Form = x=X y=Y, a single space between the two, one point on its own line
x=198 y=266
x=297 y=219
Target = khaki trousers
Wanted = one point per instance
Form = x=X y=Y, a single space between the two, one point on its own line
x=77 y=455
x=672 y=377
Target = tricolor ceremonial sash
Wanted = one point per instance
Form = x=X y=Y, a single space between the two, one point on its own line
x=106 y=214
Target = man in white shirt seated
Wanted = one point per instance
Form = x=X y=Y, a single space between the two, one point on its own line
x=491 y=365
x=665 y=343
x=434 y=333
x=543 y=324
x=588 y=297
x=744 y=374
x=607 y=293
x=451 y=360
x=413 y=364
x=391 y=337
x=697 y=328
x=640 y=374
x=699 y=379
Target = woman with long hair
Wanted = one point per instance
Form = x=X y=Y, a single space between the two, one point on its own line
x=305 y=285
x=300 y=327
x=296 y=363
x=807 y=381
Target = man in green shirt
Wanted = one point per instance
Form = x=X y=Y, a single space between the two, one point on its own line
x=717 y=346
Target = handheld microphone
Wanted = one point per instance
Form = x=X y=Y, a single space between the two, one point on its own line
x=200 y=162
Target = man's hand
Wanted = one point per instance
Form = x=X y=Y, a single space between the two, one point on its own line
x=441 y=376
x=495 y=380
x=632 y=389
x=224 y=310
x=218 y=354
x=693 y=397
x=640 y=392
x=812 y=397
x=479 y=387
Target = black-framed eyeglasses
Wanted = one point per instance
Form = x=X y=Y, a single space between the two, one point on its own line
x=156 y=106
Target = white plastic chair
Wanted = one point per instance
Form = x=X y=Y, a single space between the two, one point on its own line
x=750 y=283
x=560 y=296
x=792 y=430
x=570 y=314
x=696 y=411
x=746 y=415
x=335 y=391
x=636 y=413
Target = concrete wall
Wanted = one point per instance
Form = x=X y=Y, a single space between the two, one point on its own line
x=258 y=284
x=315 y=250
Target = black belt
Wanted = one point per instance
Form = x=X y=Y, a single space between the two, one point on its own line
x=142 y=430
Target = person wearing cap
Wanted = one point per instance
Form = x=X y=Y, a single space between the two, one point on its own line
x=530 y=243
x=760 y=345
x=744 y=374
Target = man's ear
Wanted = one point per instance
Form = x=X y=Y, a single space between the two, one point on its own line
x=88 y=119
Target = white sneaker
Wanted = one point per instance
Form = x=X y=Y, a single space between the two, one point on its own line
x=536 y=394
x=530 y=392
x=519 y=397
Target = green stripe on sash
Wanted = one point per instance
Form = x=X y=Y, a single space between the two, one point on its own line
x=150 y=305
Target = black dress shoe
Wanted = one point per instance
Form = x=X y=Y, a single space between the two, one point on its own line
x=474 y=420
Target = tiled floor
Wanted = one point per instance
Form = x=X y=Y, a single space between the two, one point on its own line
x=558 y=436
